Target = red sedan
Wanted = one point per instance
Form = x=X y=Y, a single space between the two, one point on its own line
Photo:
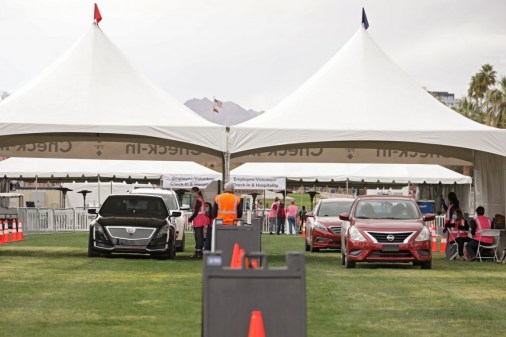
x=385 y=229
x=323 y=226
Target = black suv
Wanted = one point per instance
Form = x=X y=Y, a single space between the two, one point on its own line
x=129 y=223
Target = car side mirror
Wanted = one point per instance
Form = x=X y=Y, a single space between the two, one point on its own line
x=344 y=216
x=429 y=217
x=175 y=214
x=92 y=211
x=309 y=215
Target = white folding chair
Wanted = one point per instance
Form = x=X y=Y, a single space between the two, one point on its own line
x=495 y=233
x=452 y=249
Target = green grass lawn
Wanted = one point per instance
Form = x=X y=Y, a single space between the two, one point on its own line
x=51 y=288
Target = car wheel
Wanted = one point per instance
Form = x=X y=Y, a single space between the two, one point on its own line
x=313 y=249
x=347 y=263
x=426 y=264
x=181 y=246
x=92 y=252
x=308 y=248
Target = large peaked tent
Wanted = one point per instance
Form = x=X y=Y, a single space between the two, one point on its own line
x=91 y=103
x=362 y=100
x=362 y=96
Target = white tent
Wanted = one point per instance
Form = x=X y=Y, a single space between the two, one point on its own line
x=30 y=168
x=362 y=100
x=92 y=103
x=383 y=173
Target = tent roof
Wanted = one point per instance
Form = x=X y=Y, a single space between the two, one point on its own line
x=19 y=168
x=362 y=95
x=93 y=88
x=384 y=173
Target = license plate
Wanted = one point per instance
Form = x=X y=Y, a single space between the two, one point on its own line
x=390 y=248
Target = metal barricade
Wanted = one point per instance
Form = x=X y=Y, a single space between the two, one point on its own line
x=247 y=236
x=279 y=293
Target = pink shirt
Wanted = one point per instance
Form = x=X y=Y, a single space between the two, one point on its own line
x=292 y=210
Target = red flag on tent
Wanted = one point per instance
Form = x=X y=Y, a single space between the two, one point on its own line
x=97 y=15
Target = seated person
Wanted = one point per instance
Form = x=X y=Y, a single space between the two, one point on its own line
x=457 y=232
x=478 y=224
x=366 y=211
x=399 y=211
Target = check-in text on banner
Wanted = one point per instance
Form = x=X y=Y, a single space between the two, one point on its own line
x=258 y=183
x=187 y=182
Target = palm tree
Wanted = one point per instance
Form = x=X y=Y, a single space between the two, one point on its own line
x=497 y=110
x=467 y=107
x=480 y=84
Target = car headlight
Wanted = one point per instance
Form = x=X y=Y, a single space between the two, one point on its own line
x=355 y=235
x=163 y=231
x=99 y=229
x=320 y=227
x=424 y=235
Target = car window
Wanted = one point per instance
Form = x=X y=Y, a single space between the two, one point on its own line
x=133 y=206
x=386 y=209
x=169 y=199
x=334 y=208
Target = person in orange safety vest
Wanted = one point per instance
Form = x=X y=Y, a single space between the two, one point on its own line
x=227 y=205
x=478 y=224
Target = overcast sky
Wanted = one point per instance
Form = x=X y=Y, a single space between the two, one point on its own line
x=257 y=52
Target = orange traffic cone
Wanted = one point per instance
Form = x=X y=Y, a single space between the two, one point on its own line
x=236 y=261
x=20 y=231
x=14 y=236
x=434 y=243
x=442 y=248
x=6 y=231
x=256 y=324
x=303 y=231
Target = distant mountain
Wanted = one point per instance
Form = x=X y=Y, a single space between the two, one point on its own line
x=230 y=113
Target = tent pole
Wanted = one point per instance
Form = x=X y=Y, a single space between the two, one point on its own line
x=98 y=177
x=347 y=181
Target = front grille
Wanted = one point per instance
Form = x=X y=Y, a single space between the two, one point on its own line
x=335 y=230
x=140 y=233
x=380 y=254
x=398 y=237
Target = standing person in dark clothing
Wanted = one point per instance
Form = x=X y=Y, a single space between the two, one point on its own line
x=209 y=233
x=199 y=219
x=281 y=218
x=302 y=217
x=453 y=205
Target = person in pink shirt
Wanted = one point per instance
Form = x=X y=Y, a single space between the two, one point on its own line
x=292 y=213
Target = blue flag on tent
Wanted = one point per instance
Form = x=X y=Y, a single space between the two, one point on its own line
x=365 y=23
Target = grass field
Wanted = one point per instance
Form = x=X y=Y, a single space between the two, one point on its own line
x=51 y=288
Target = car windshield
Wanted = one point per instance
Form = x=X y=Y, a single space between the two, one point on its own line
x=133 y=206
x=386 y=209
x=334 y=208
x=169 y=199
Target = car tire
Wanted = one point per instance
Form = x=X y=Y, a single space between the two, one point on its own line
x=347 y=263
x=308 y=247
x=313 y=249
x=342 y=258
x=182 y=245
x=426 y=264
x=92 y=252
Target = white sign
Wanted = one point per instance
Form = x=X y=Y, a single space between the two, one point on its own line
x=258 y=183
x=187 y=182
